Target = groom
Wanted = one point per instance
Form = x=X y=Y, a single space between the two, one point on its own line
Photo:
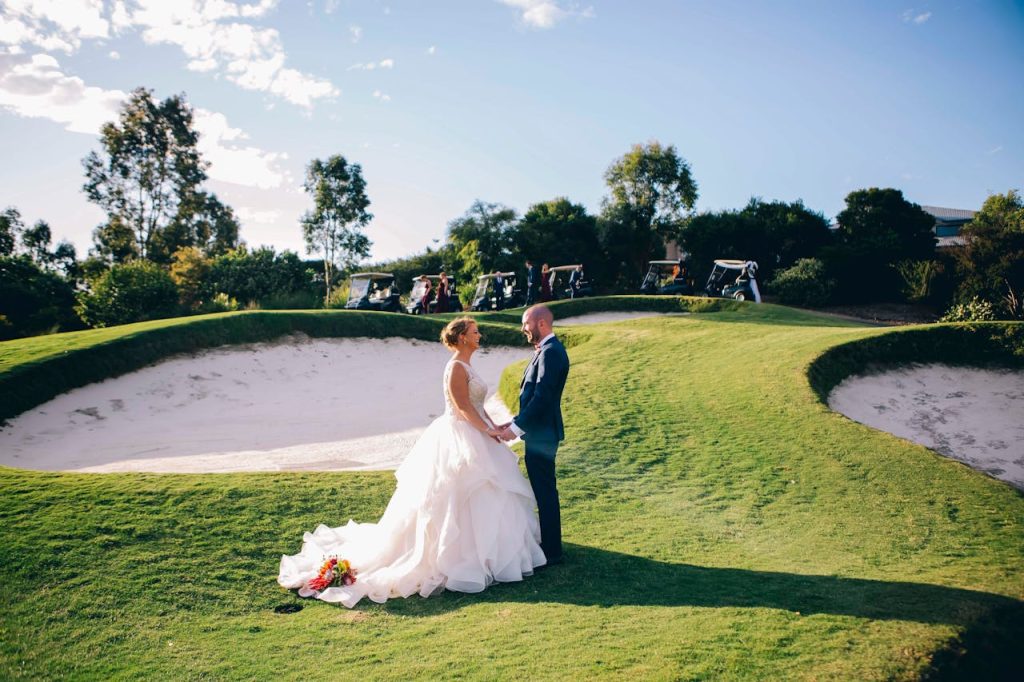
x=539 y=423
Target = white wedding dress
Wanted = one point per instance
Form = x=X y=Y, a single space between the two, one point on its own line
x=462 y=517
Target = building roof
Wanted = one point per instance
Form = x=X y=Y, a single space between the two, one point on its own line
x=949 y=213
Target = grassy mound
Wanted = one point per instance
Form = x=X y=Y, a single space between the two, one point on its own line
x=720 y=522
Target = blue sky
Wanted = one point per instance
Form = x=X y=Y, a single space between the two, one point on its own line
x=519 y=101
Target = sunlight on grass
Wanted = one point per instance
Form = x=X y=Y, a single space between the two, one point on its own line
x=721 y=523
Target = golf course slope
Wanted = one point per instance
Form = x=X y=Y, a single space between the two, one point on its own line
x=721 y=522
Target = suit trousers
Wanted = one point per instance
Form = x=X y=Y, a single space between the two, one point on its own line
x=540 y=465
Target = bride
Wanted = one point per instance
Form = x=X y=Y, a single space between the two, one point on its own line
x=461 y=516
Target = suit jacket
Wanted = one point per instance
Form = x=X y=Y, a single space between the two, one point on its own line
x=540 y=394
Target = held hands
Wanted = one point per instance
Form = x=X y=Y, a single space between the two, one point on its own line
x=502 y=432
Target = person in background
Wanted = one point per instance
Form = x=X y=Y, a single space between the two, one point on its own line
x=499 y=290
x=545 y=283
x=575 y=279
x=425 y=300
x=532 y=282
x=443 y=293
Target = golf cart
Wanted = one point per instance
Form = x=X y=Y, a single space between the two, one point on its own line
x=667 y=277
x=373 y=291
x=419 y=288
x=485 y=298
x=562 y=273
x=734 y=279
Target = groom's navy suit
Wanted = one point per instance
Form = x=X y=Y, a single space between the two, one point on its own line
x=540 y=419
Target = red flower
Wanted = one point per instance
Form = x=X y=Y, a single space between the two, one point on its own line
x=333 y=573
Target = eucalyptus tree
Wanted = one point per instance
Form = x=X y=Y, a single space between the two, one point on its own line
x=148 y=168
x=652 y=194
x=333 y=228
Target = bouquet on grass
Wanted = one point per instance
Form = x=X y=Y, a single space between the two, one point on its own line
x=333 y=573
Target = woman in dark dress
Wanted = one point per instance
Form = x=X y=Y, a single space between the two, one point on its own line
x=442 y=293
x=545 y=283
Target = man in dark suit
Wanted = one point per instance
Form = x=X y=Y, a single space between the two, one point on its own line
x=539 y=423
x=532 y=282
x=575 y=280
x=499 y=290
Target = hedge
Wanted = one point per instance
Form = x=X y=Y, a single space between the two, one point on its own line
x=980 y=344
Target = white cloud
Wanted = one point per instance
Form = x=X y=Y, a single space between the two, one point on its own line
x=249 y=56
x=432 y=50
x=546 y=13
x=912 y=16
x=35 y=87
x=52 y=24
x=253 y=215
x=356 y=32
x=381 y=96
x=331 y=6
x=370 y=66
x=114 y=54
x=207 y=31
x=995 y=150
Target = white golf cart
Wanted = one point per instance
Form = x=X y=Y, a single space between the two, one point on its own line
x=486 y=298
x=734 y=279
x=373 y=291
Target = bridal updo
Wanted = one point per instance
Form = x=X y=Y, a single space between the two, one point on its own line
x=454 y=329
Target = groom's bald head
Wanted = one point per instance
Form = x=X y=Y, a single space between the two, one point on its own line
x=537 y=322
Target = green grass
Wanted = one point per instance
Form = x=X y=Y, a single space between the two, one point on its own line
x=721 y=523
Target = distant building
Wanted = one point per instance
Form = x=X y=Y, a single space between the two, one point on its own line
x=948 y=222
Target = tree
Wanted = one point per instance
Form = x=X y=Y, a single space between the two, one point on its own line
x=34 y=300
x=652 y=194
x=791 y=232
x=775 y=234
x=190 y=270
x=259 y=276
x=11 y=228
x=481 y=239
x=129 y=292
x=333 y=227
x=559 y=232
x=149 y=167
x=991 y=263
x=721 y=234
x=36 y=242
x=202 y=222
x=877 y=229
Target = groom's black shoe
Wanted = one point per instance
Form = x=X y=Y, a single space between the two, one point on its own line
x=553 y=561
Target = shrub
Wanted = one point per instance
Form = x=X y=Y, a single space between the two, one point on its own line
x=975 y=310
x=33 y=300
x=130 y=292
x=220 y=303
x=918 y=278
x=804 y=284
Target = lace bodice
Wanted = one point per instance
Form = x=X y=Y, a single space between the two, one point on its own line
x=477 y=389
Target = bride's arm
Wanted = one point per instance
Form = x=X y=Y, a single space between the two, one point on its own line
x=458 y=388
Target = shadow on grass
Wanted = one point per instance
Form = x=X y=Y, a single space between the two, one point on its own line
x=992 y=625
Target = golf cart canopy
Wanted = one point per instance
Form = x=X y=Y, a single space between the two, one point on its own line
x=564 y=268
x=373 y=275
x=359 y=285
x=484 y=281
x=732 y=264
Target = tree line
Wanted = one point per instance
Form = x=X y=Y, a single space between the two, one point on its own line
x=169 y=247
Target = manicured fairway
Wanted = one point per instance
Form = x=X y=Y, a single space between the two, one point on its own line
x=721 y=523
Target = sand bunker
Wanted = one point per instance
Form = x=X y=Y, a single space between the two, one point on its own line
x=974 y=416
x=294 y=404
